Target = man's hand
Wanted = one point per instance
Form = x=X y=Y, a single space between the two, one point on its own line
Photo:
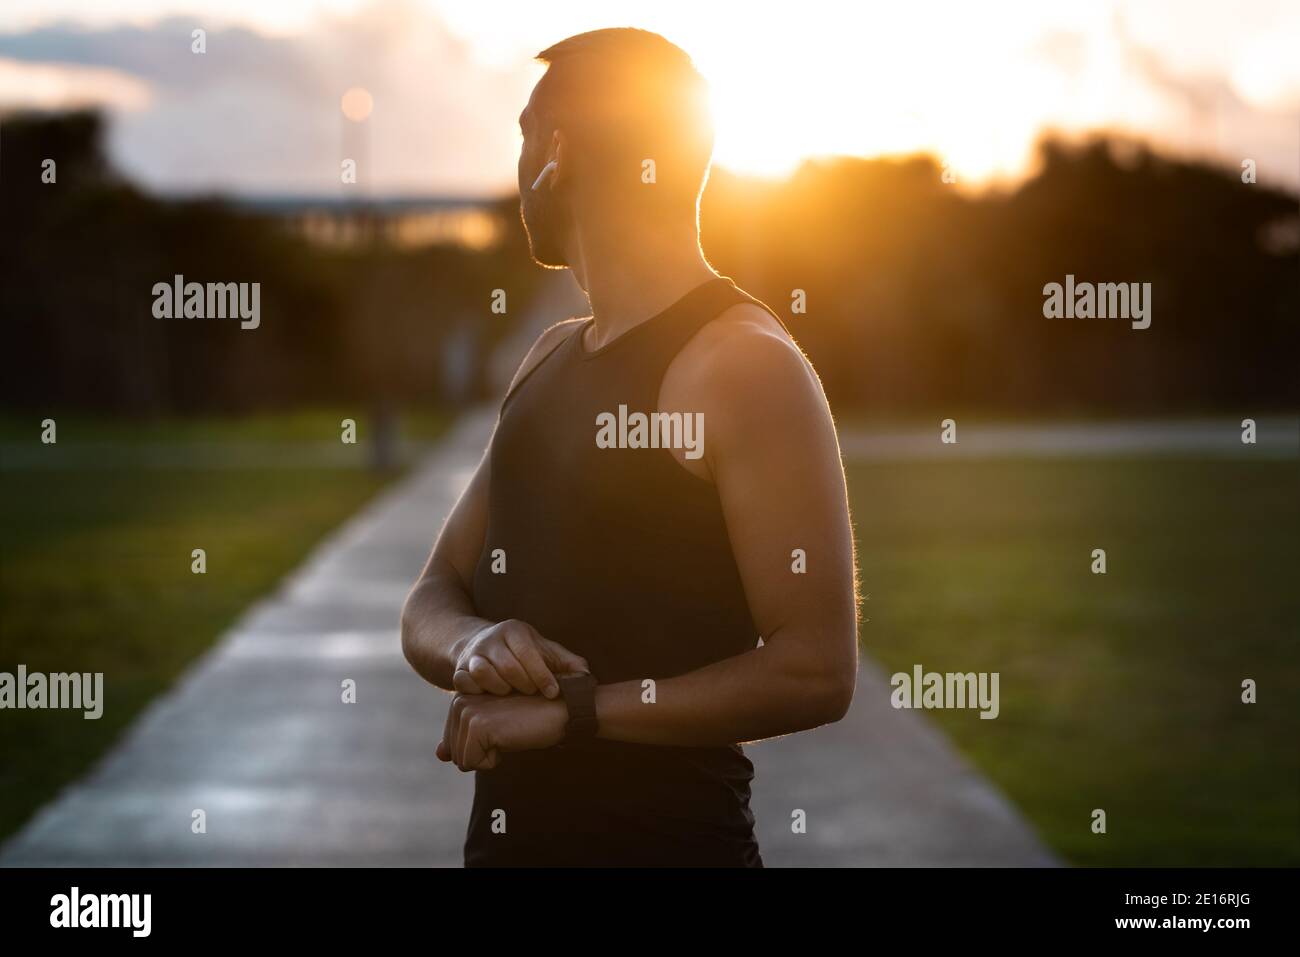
x=510 y=657
x=479 y=727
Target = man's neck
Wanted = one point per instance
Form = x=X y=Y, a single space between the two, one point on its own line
x=630 y=277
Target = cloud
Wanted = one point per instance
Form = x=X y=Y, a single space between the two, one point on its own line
x=259 y=113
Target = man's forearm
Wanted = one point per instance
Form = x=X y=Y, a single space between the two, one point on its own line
x=437 y=620
x=773 y=690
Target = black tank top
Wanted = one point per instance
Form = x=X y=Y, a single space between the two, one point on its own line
x=621 y=555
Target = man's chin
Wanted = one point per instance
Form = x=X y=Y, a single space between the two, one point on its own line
x=547 y=258
x=545 y=248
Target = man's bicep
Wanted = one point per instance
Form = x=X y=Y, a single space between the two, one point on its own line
x=777 y=467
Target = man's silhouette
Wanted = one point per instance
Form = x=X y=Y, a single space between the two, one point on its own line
x=663 y=487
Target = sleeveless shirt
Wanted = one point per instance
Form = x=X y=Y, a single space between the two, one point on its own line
x=622 y=556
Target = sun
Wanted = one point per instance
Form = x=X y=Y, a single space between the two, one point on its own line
x=823 y=100
x=838 y=81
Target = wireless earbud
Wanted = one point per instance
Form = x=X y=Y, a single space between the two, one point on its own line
x=547 y=170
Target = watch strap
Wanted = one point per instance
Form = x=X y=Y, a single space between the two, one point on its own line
x=579 y=694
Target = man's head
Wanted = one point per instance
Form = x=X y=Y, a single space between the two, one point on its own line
x=623 y=115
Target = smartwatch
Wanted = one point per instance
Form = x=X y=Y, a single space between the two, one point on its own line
x=579 y=694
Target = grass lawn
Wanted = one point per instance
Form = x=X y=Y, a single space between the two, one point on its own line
x=1119 y=691
x=95 y=575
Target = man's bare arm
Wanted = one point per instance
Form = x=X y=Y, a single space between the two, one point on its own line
x=443 y=638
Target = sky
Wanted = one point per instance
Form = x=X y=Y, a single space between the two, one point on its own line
x=440 y=83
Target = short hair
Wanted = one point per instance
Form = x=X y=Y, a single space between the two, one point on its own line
x=631 y=95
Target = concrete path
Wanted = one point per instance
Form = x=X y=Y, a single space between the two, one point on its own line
x=257 y=736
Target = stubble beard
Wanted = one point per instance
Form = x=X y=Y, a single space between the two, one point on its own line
x=545 y=222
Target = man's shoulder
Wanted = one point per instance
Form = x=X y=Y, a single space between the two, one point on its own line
x=545 y=343
x=743 y=344
x=552 y=335
x=739 y=364
x=744 y=325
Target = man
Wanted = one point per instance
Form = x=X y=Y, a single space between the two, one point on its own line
x=663 y=490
